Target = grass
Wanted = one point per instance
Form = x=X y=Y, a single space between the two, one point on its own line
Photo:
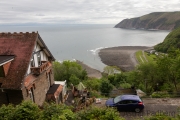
x=146 y=57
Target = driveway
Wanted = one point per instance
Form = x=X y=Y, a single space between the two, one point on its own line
x=168 y=106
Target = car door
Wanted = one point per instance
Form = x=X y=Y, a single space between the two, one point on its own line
x=122 y=105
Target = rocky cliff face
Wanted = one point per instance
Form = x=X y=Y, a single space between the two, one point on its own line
x=157 y=20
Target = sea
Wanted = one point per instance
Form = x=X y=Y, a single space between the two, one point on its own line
x=83 y=41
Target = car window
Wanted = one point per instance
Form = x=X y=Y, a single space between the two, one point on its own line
x=127 y=102
x=123 y=102
x=117 y=99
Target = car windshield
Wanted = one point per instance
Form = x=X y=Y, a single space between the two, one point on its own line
x=117 y=99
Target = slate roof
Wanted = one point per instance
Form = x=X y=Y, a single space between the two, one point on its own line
x=20 y=45
x=5 y=58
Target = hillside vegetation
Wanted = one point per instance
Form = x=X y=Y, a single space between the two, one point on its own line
x=156 y=20
x=171 y=41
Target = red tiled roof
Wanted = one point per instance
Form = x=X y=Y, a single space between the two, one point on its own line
x=21 y=45
x=28 y=82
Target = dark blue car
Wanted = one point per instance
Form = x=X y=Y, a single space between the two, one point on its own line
x=126 y=103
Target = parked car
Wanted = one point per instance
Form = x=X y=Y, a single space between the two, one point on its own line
x=126 y=103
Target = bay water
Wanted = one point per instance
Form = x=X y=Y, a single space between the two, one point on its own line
x=82 y=42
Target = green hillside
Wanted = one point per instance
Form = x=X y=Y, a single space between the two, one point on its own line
x=172 y=40
x=156 y=20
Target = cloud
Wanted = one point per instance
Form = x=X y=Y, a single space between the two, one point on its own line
x=79 y=11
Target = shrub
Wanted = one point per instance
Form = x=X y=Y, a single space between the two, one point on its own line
x=27 y=110
x=6 y=112
x=160 y=94
x=54 y=111
x=95 y=113
x=160 y=117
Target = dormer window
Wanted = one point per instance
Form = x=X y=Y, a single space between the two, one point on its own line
x=5 y=62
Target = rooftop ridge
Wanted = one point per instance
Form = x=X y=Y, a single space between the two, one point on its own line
x=17 y=35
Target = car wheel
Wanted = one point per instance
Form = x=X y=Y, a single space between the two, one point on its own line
x=137 y=110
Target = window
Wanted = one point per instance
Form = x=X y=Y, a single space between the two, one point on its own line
x=32 y=62
x=39 y=58
x=31 y=93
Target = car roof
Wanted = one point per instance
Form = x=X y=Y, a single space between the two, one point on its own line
x=130 y=97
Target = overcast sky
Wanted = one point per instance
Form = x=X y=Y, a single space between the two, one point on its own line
x=80 y=11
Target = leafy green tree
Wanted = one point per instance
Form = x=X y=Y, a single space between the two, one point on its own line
x=93 y=84
x=148 y=75
x=105 y=87
x=74 y=80
x=67 y=70
x=117 y=79
x=27 y=110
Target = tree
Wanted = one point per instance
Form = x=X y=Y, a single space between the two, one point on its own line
x=93 y=84
x=67 y=70
x=105 y=87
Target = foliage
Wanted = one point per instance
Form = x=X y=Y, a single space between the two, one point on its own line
x=27 y=110
x=162 y=75
x=172 y=40
x=110 y=70
x=7 y=112
x=54 y=112
x=105 y=87
x=68 y=70
x=92 y=84
x=95 y=113
x=160 y=94
x=161 y=117
x=125 y=85
x=117 y=79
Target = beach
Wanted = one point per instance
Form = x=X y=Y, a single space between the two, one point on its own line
x=122 y=56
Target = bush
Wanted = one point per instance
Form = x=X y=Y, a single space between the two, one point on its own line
x=6 y=112
x=54 y=111
x=160 y=94
x=160 y=117
x=27 y=110
x=125 y=85
x=95 y=113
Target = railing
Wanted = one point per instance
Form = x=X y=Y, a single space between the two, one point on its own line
x=38 y=70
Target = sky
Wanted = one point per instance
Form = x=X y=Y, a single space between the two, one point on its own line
x=79 y=11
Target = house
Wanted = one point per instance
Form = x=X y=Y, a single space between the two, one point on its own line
x=58 y=93
x=25 y=68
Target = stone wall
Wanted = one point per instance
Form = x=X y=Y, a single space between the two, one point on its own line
x=40 y=87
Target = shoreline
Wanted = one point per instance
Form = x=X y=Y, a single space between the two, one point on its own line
x=121 y=56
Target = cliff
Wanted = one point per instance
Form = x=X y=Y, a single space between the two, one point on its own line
x=156 y=20
x=171 y=41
